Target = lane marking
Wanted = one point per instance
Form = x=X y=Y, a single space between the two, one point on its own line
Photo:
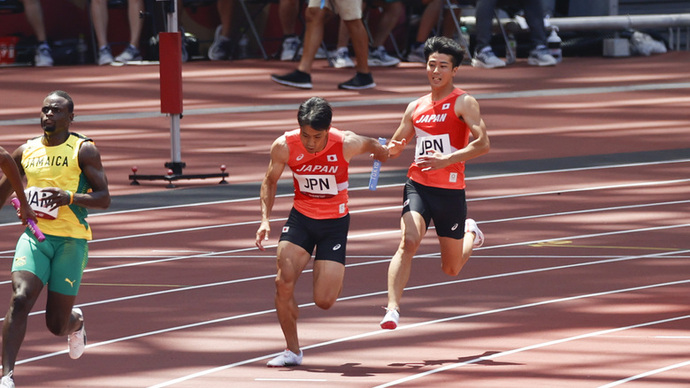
x=134 y=285
x=457 y=317
x=646 y=374
x=360 y=296
x=569 y=244
x=369 y=102
x=530 y=347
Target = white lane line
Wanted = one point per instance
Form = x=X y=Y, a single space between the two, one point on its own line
x=270 y=311
x=646 y=374
x=426 y=323
x=530 y=347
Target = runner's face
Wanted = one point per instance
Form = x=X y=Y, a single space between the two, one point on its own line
x=313 y=140
x=55 y=114
x=440 y=70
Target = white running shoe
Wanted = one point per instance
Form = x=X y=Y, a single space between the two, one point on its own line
x=6 y=381
x=287 y=358
x=379 y=57
x=486 y=59
x=340 y=58
x=417 y=54
x=76 y=342
x=43 y=56
x=390 y=320
x=130 y=54
x=471 y=226
x=220 y=48
x=105 y=57
x=541 y=56
x=289 y=48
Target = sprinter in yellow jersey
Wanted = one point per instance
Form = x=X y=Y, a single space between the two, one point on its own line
x=64 y=177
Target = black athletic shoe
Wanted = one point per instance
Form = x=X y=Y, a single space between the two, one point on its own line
x=296 y=79
x=358 y=82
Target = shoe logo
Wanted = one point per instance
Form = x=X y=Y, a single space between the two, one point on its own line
x=299 y=157
x=454 y=226
x=71 y=282
x=20 y=261
x=336 y=247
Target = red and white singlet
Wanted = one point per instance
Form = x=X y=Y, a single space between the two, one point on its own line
x=439 y=129
x=320 y=179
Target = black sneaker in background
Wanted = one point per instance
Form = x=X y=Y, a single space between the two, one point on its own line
x=358 y=82
x=296 y=79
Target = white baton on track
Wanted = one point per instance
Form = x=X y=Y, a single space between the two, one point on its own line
x=376 y=169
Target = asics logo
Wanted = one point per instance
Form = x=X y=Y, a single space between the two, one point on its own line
x=299 y=157
x=454 y=226
x=336 y=247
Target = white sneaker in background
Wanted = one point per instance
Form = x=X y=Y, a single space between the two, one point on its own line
x=340 y=58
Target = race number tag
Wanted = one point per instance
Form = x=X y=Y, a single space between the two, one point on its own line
x=428 y=144
x=317 y=184
x=35 y=196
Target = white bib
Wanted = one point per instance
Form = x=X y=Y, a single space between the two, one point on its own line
x=317 y=184
x=427 y=144
x=35 y=196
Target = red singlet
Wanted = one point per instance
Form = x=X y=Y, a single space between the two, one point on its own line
x=320 y=179
x=439 y=129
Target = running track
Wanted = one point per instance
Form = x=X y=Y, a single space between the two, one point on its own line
x=584 y=200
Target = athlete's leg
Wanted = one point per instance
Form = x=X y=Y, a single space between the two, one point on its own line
x=455 y=253
x=26 y=287
x=292 y=259
x=328 y=282
x=413 y=228
x=313 y=36
x=59 y=317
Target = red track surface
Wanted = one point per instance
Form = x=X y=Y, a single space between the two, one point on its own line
x=583 y=280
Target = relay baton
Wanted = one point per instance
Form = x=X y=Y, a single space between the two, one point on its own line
x=374 y=177
x=32 y=225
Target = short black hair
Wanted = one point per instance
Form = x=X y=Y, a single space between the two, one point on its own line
x=66 y=96
x=315 y=112
x=444 y=45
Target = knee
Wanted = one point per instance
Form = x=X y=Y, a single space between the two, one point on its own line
x=452 y=270
x=410 y=244
x=324 y=303
x=284 y=288
x=57 y=325
x=21 y=304
x=313 y=15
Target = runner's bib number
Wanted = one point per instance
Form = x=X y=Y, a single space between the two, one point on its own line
x=317 y=184
x=36 y=198
x=431 y=143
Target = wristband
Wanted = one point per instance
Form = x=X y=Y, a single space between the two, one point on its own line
x=71 y=196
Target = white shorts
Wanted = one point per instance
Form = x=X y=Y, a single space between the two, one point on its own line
x=346 y=9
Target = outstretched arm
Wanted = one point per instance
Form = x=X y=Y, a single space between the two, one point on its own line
x=355 y=144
